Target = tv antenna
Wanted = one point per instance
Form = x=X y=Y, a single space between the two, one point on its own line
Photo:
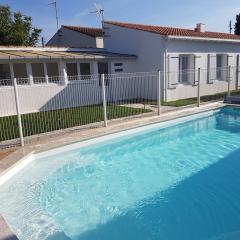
x=230 y=26
x=54 y=3
x=99 y=11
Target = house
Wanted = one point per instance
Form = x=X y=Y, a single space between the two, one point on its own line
x=179 y=53
x=129 y=48
x=78 y=37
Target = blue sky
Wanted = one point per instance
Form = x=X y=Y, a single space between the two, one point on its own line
x=180 y=13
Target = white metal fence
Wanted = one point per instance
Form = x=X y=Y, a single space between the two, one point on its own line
x=49 y=104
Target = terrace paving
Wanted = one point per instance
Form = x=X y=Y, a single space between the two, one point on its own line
x=51 y=141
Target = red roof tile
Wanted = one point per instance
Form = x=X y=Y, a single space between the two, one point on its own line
x=171 y=31
x=93 y=32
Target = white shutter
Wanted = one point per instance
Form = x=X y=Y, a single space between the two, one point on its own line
x=230 y=63
x=230 y=60
x=212 y=67
x=173 y=70
x=191 y=69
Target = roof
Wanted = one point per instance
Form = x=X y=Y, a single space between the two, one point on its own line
x=93 y=32
x=172 y=31
x=48 y=54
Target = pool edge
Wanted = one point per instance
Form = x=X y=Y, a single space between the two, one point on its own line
x=25 y=155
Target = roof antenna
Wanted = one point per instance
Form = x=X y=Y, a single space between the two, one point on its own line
x=56 y=11
x=230 y=26
x=99 y=11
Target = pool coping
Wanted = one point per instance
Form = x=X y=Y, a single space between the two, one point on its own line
x=19 y=157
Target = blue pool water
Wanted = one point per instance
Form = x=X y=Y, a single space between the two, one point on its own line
x=180 y=182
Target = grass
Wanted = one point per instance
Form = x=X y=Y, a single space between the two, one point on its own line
x=189 y=101
x=41 y=122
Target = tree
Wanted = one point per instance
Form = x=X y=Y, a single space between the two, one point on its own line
x=237 y=25
x=16 y=28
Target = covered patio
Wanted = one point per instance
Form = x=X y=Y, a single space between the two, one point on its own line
x=58 y=65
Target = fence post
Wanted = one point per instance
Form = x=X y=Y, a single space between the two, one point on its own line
x=159 y=92
x=229 y=81
x=18 y=112
x=104 y=100
x=198 y=91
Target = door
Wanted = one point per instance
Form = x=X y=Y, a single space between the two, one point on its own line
x=103 y=69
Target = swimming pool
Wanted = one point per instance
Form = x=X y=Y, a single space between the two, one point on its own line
x=177 y=180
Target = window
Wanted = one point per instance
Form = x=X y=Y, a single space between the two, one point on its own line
x=103 y=69
x=5 y=71
x=5 y=74
x=118 y=67
x=52 y=71
x=187 y=68
x=72 y=70
x=221 y=66
x=85 y=69
x=184 y=68
x=20 y=72
x=38 y=72
x=118 y=64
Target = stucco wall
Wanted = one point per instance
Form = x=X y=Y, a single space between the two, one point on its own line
x=200 y=49
x=147 y=46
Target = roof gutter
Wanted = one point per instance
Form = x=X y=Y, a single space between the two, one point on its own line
x=203 y=39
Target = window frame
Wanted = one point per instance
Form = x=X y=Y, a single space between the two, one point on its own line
x=187 y=70
x=222 y=70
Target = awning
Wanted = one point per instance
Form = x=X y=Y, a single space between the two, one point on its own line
x=57 y=55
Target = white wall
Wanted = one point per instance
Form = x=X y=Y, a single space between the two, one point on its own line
x=45 y=97
x=201 y=49
x=147 y=46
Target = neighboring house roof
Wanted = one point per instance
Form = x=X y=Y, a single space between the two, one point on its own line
x=172 y=31
x=93 y=32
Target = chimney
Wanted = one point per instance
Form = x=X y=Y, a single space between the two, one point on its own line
x=200 y=27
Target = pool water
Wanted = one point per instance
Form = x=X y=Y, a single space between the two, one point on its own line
x=179 y=182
